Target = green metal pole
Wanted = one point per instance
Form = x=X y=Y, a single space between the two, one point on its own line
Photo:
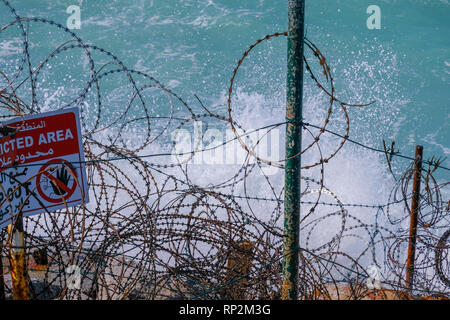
x=293 y=147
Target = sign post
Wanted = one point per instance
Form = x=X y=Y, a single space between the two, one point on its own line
x=19 y=277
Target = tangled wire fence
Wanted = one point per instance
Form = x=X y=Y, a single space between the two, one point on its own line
x=151 y=231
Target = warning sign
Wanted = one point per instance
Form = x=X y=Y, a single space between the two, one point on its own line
x=41 y=164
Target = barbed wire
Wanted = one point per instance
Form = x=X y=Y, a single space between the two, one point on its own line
x=154 y=230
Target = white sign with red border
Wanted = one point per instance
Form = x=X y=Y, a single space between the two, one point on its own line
x=42 y=165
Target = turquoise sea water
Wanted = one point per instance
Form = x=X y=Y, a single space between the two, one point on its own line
x=193 y=46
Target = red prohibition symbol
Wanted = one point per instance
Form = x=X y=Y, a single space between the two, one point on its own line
x=59 y=176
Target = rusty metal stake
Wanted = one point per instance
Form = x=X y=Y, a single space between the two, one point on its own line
x=239 y=264
x=17 y=260
x=414 y=216
x=294 y=118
